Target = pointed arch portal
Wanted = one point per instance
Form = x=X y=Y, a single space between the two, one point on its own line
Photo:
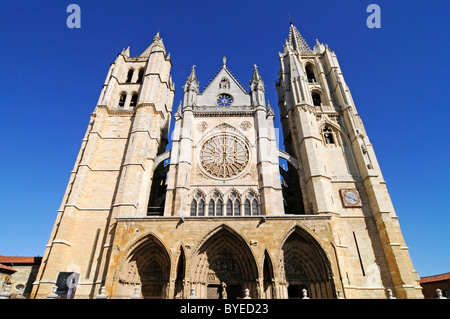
x=224 y=266
x=305 y=266
x=147 y=267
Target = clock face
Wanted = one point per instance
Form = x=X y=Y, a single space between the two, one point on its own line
x=350 y=198
x=224 y=156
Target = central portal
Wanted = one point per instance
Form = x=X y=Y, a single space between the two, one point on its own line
x=224 y=267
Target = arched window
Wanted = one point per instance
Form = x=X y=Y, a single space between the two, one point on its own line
x=237 y=207
x=219 y=207
x=198 y=205
x=140 y=76
x=194 y=208
x=310 y=73
x=328 y=135
x=201 y=208
x=211 y=208
x=122 y=99
x=234 y=205
x=229 y=208
x=317 y=100
x=129 y=76
x=134 y=99
x=215 y=205
x=255 y=210
x=247 y=208
x=251 y=205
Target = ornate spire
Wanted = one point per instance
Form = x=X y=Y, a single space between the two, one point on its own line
x=126 y=51
x=191 y=88
x=256 y=76
x=192 y=79
x=156 y=37
x=157 y=45
x=257 y=88
x=296 y=40
x=178 y=113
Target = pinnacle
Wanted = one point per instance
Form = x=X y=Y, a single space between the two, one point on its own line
x=296 y=40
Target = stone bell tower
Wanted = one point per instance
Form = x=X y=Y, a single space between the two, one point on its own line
x=113 y=172
x=338 y=173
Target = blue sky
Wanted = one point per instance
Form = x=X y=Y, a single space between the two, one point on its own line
x=51 y=77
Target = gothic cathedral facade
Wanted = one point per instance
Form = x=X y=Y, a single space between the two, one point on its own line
x=216 y=215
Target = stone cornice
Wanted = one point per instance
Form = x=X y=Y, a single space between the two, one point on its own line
x=221 y=218
x=128 y=112
x=114 y=111
x=215 y=111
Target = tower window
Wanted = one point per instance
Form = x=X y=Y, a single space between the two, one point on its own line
x=317 y=101
x=122 y=99
x=129 y=76
x=134 y=99
x=310 y=73
x=140 y=76
x=328 y=135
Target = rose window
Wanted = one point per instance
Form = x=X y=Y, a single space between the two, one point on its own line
x=224 y=100
x=224 y=156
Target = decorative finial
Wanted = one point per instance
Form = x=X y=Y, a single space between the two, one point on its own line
x=291 y=20
x=255 y=66
x=224 y=61
x=156 y=37
x=193 y=67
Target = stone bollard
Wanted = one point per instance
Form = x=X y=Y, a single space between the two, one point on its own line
x=439 y=294
x=305 y=294
x=390 y=295
x=53 y=295
x=102 y=293
x=339 y=293
x=192 y=296
x=137 y=294
x=247 y=294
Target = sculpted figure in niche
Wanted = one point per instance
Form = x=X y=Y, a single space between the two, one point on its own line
x=224 y=84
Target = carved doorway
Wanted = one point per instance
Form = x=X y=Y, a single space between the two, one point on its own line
x=305 y=266
x=147 y=267
x=225 y=266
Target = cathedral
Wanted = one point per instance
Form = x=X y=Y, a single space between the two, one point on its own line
x=216 y=216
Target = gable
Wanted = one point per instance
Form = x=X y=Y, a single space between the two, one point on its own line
x=223 y=83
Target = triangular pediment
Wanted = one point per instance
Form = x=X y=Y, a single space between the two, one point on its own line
x=224 y=82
